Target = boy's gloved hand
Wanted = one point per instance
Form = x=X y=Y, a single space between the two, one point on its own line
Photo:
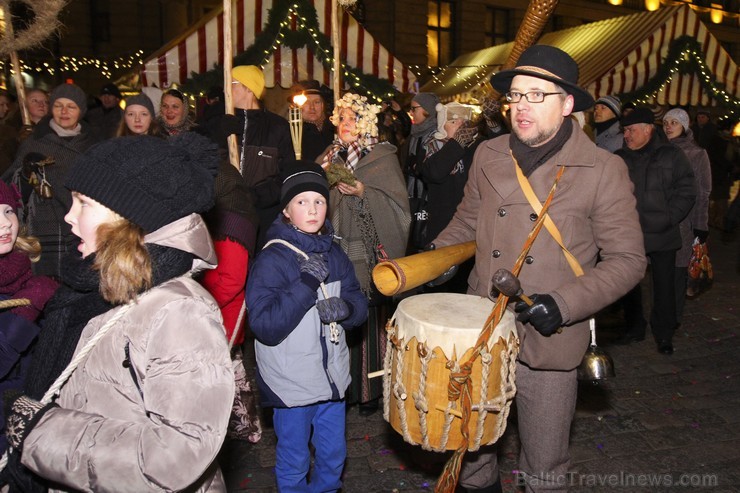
x=332 y=309
x=21 y=415
x=465 y=135
x=544 y=314
x=314 y=270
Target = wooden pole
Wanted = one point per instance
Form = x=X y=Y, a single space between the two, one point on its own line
x=228 y=99
x=20 y=89
x=336 y=19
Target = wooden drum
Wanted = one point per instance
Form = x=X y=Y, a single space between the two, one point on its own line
x=428 y=335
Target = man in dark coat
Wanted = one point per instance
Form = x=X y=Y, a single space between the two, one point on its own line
x=106 y=118
x=665 y=192
x=264 y=143
x=318 y=131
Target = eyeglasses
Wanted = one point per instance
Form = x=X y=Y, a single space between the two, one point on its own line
x=414 y=108
x=531 y=96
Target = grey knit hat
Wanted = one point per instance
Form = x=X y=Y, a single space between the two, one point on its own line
x=611 y=102
x=71 y=92
x=428 y=101
x=147 y=180
x=141 y=100
x=680 y=116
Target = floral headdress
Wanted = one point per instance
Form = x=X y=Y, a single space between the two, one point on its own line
x=366 y=117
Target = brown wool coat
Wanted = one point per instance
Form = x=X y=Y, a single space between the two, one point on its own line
x=593 y=208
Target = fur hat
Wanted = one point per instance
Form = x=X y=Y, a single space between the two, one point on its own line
x=147 y=180
x=641 y=114
x=680 y=116
x=447 y=112
x=611 y=102
x=547 y=63
x=428 y=101
x=71 y=92
x=9 y=195
x=252 y=77
x=303 y=176
x=141 y=100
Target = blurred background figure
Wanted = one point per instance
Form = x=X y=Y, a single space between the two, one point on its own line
x=318 y=131
x=41 y=165
x=105 y=118
x=608 y=133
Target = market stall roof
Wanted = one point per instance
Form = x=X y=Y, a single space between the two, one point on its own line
x=201 y=48
x=615 y=56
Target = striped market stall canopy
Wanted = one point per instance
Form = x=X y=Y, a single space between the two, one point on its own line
x=621 y=55
x=201 y=48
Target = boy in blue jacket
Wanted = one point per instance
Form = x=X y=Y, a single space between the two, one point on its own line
x=302 y=292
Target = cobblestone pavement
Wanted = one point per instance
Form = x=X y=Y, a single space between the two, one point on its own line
x=665 y=423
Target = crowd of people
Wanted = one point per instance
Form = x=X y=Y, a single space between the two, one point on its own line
x=143 y=261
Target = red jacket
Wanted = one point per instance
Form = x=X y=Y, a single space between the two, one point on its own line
x=227 y=282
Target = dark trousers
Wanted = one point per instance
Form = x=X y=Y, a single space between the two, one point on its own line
x=663 y=317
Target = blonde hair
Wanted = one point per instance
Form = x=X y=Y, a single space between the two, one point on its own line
x=29 y=245
x=122 y=260
x=366 y=116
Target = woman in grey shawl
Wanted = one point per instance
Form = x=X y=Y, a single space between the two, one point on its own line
x=369 y=209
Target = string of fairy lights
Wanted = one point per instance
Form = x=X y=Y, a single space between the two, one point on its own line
x=302 y=22
x=75 y=64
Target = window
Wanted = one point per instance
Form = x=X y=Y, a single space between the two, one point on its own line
x=497 y=26
x=440 y=32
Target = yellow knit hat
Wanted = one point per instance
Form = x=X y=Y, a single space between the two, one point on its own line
x=252 y=77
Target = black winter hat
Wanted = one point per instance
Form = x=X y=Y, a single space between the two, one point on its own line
x=303 y=176
x=641 y=114
x=111 y=89
x=548 y=63
x=147 y=180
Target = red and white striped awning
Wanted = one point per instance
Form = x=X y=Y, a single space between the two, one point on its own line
x=201 y=48
x=615 y=56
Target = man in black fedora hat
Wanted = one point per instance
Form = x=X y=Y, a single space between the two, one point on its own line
x=318 y=132
x=592 y=216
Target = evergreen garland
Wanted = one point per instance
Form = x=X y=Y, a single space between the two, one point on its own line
x=685 y=57
x=276 y=33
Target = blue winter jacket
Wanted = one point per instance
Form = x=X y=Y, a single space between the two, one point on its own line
x=297 y=364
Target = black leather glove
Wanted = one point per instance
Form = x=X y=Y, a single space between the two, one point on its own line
x=314 y=270
x=544 y=314
x=21 y=415
x=465 y=135
x=333 y=309
x=702 y=235
x=446 y=276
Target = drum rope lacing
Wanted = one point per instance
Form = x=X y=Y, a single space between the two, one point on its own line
x=460 y=385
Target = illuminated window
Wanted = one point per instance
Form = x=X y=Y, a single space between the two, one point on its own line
x=440 y=32
x=497 y=26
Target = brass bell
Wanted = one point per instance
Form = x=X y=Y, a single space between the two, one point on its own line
x=596 y=364
x=33 y=179
x=45 y=191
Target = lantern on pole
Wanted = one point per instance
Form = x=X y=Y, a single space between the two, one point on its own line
x=296 y=122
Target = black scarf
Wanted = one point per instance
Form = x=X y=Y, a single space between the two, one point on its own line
x=75 y=303
x=531 y=158
x=603 y=126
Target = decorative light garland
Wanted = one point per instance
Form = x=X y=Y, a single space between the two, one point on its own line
x=277 y=32
x=74 y=64
x=685 y=57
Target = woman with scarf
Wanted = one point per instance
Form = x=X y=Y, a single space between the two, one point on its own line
x=369 y=209
x=174 y=113
x=41 y=165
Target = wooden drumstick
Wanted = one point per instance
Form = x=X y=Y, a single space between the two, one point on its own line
x=508 y=284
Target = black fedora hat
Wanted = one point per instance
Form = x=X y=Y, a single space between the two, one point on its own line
x=311 y=87
x=548 y=63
